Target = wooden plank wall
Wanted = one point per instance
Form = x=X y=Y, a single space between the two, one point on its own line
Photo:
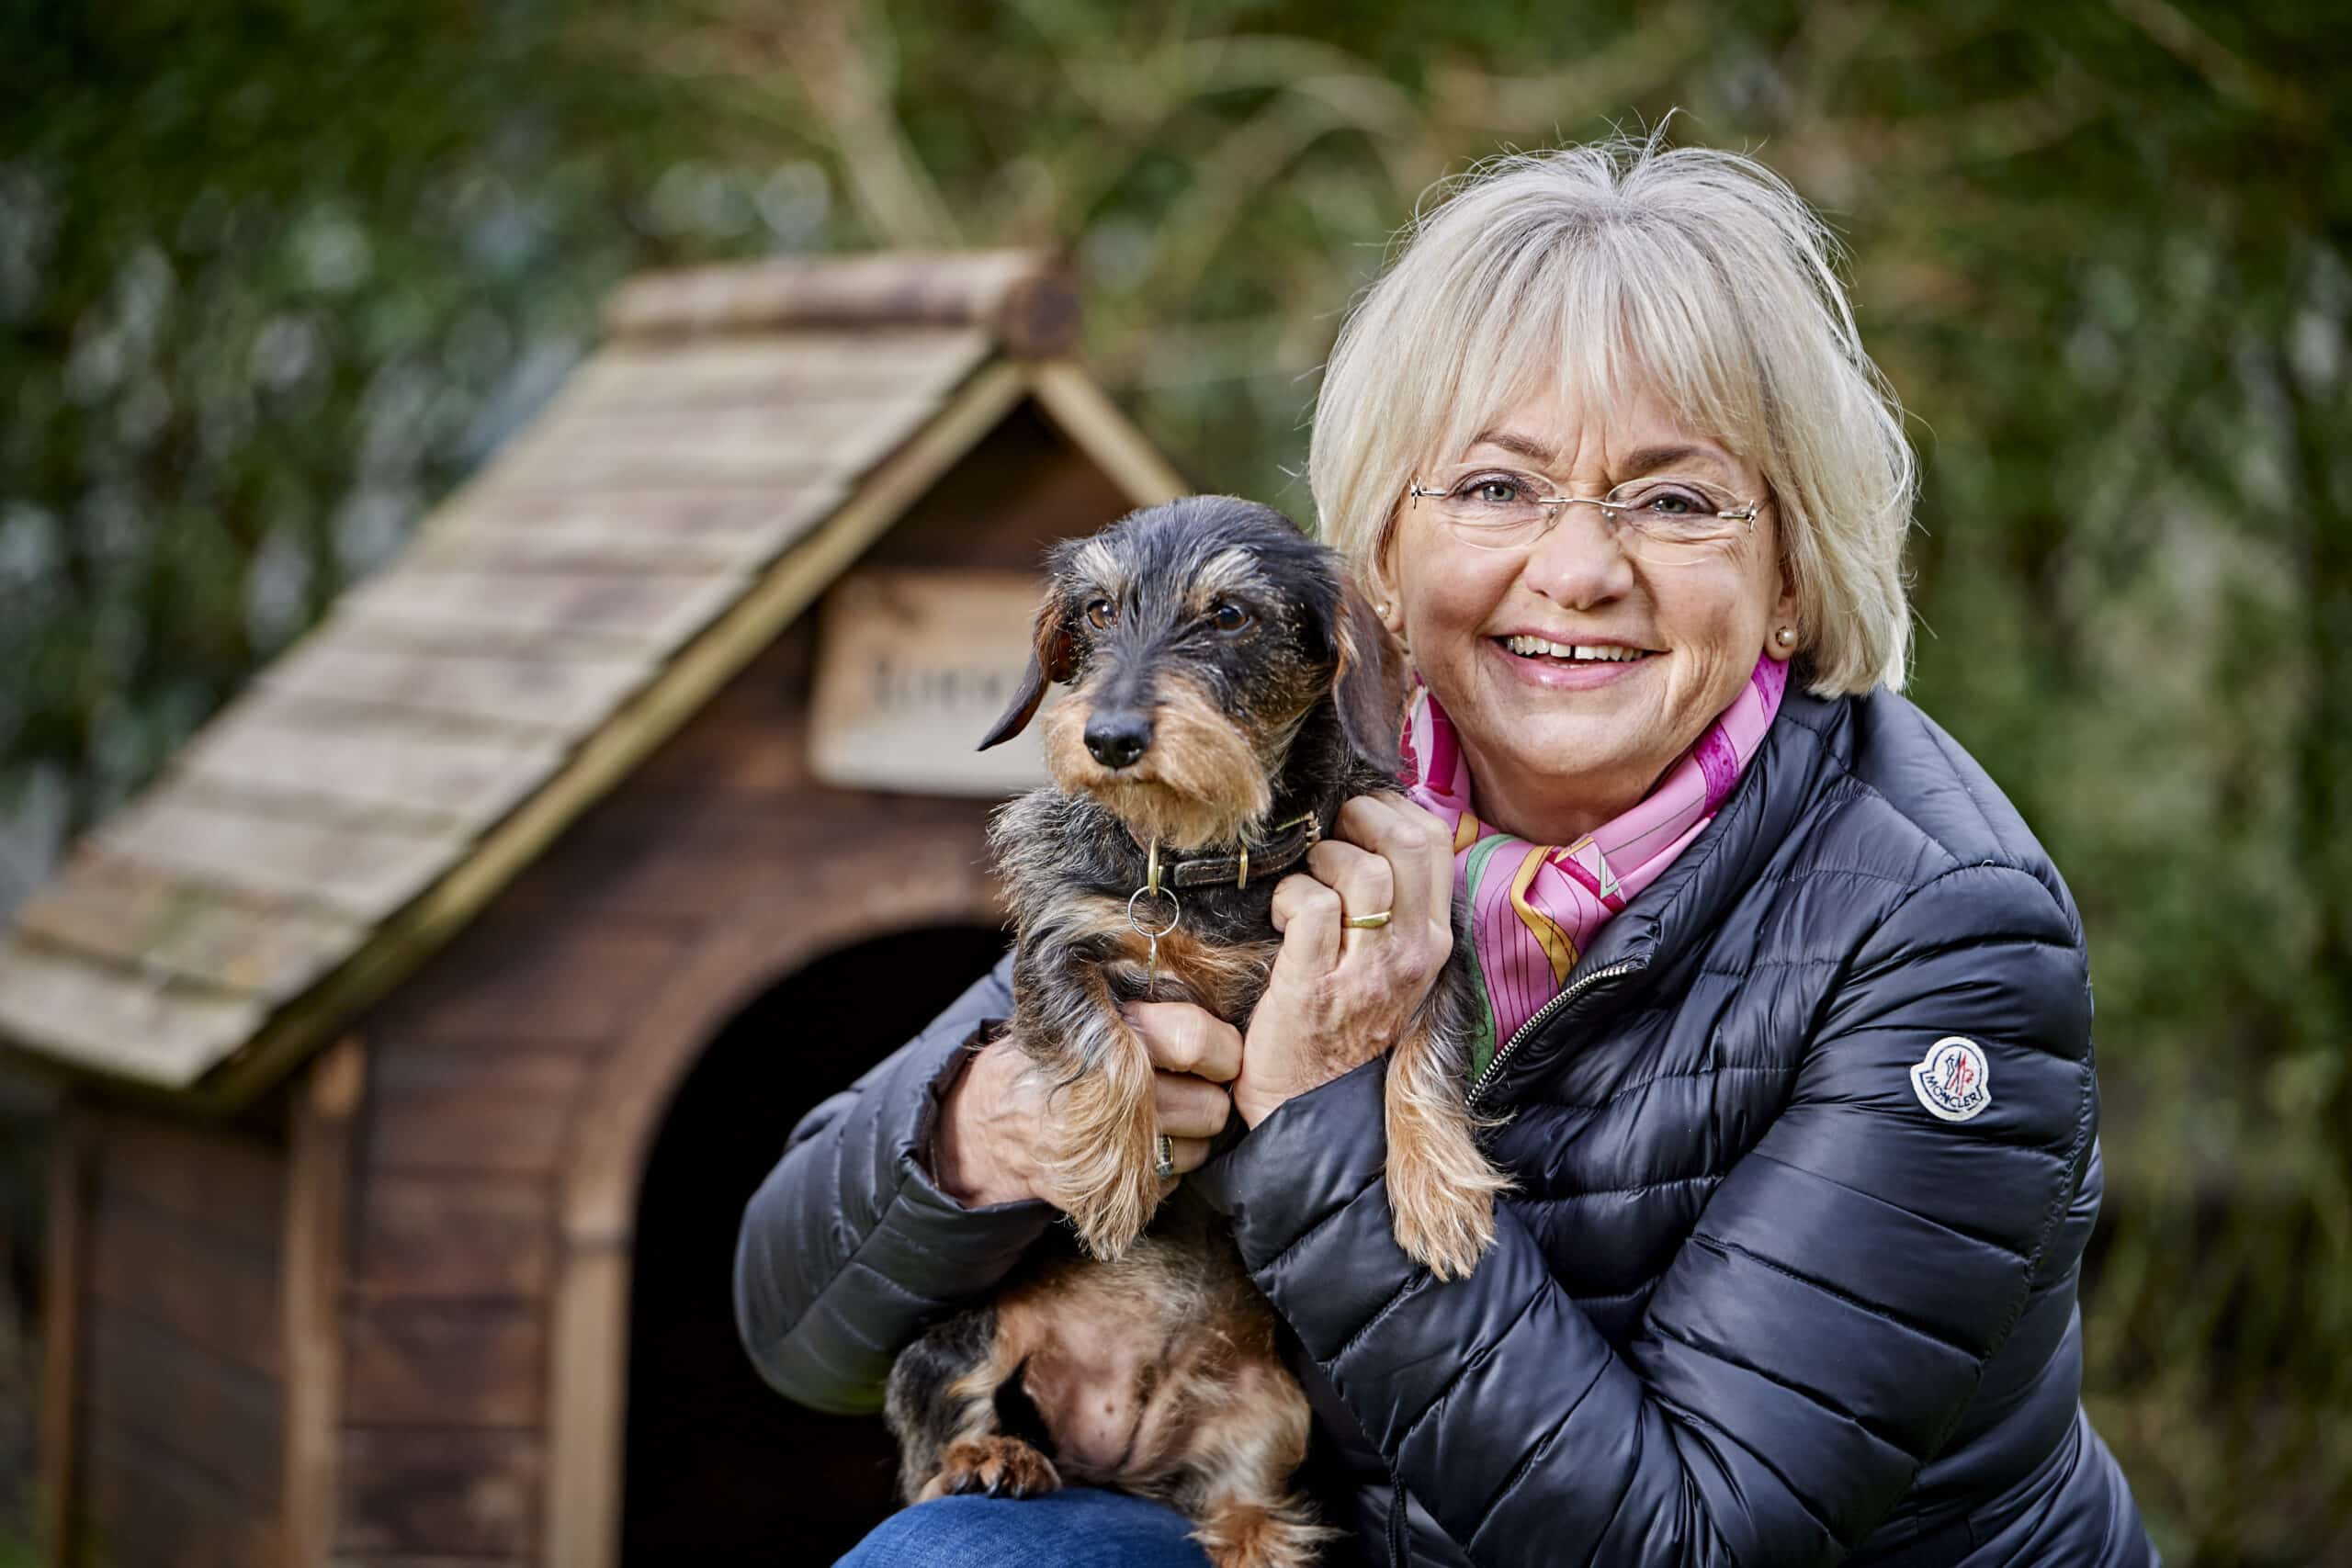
x=62 y=1330
x=477 y=1066
x=178 y=1421
x=474 y=1067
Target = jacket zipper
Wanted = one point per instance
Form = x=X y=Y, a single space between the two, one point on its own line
x=1546 y=1010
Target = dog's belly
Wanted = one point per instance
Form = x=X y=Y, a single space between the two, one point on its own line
x=1125 y=1361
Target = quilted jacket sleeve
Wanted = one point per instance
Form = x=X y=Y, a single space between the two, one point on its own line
x=848 y=1249
x=1811 y=1343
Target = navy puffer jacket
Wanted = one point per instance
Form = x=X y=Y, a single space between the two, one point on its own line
x=1754 y=1303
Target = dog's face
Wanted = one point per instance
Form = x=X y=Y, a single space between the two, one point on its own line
x=1199 y=635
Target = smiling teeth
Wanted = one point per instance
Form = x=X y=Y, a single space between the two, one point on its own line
x=1607 y=652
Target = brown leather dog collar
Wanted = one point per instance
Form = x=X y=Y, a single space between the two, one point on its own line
x=1285 y=848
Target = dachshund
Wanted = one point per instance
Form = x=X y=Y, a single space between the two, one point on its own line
x=1232 y=689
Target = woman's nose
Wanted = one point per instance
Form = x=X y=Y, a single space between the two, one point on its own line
x=1580 y=560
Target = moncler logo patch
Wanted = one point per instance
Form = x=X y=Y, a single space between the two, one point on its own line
x=1952 y=1080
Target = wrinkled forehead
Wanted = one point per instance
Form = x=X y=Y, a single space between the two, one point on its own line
x=1622 y=439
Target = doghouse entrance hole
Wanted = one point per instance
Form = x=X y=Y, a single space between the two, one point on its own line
x=720 y=1471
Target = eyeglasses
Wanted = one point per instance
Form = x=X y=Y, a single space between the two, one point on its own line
x=1667 y=518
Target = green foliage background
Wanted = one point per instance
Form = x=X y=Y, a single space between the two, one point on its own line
x=274 y=275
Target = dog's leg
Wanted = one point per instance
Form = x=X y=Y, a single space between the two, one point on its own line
x=940 y=1404
x=1442 y=1187
x=1243 y=1511
x=1101 y=1123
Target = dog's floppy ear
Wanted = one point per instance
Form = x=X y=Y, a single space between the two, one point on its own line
x=1369 y=683
x=1053 y=660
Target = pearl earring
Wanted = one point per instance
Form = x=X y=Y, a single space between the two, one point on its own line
x=1381 y=609
x=1786 y=637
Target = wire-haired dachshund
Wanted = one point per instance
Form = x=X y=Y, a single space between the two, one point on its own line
x=1232 y=689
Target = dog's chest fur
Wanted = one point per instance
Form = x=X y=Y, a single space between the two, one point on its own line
x=1221 y=950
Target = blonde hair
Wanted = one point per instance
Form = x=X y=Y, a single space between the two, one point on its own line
x=1591 y=269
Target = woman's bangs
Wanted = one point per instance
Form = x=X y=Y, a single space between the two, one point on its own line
x=1595 y=334
x=1682 y=336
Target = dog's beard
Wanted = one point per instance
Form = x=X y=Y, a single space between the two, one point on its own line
x=1200 y=785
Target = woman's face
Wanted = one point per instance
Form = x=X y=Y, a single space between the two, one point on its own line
x=1558 y=746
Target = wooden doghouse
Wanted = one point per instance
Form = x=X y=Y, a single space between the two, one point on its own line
x=427 y=1025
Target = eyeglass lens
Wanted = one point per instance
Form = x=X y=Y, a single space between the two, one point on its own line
x=1497 y=509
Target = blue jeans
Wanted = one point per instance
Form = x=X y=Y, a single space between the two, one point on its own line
x=1079 y=1527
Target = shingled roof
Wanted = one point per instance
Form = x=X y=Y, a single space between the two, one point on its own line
x=691 y=488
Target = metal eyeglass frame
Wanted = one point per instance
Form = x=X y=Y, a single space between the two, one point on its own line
x=1744 y=513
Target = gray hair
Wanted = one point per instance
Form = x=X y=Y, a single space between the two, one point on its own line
x=1697 y=272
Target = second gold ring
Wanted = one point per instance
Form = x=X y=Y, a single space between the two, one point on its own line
x=1367 y=922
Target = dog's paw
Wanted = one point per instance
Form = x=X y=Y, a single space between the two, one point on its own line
x=1251 y=1535
x=995 y=1467
x=1442 y=1192
x=1099 y=1153
x=1446 y=1233
x=1110 y=1217
x=1441 y=1198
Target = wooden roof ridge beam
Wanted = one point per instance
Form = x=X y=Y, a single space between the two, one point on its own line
x=1026 y=299
x=1088 y=416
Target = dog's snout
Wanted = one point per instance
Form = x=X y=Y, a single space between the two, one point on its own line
x=1118 y=740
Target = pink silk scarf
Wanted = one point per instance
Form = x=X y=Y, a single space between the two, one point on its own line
x=1534 y=907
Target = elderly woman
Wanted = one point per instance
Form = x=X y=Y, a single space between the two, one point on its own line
x=1790 y=1055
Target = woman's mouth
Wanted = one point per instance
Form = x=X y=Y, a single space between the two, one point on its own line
x=1567 y=666
x=1574 y=653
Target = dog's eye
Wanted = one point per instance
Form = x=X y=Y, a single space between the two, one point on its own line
x=1227 y=617
x=1100 y=613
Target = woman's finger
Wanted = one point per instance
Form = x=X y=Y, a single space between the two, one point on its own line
x=1440 y=862
x=1187 y=1155
x=1416 y=852
x=1189 y=1107
x=1182 y=1038
x=1363 y=880
x=1405 y=836
x=1307 y=914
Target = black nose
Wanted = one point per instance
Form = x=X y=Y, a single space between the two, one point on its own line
x=1116 y=739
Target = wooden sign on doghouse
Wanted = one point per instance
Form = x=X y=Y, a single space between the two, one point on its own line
x=912 y=668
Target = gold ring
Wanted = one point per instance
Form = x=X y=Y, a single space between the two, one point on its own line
x=1367 y=922
x=1163 y=1155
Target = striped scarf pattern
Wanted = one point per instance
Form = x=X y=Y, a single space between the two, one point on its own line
x=1536 y=908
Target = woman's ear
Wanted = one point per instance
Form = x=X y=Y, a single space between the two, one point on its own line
x=1369 y=678
x=1053 y=659
x=1784 y=634
x=1380 y=581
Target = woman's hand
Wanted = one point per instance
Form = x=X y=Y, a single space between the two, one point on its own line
x=1195 y=1055
x=985 y=1150
x=1336 y=999
x=989 y=1147
x=1339 y=997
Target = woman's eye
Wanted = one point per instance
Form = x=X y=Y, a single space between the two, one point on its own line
x=1100 y=613
x=1673 y=504
x=1227 y=618
x=1494 y=493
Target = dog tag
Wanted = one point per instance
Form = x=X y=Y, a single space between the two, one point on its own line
x=1150 y=934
